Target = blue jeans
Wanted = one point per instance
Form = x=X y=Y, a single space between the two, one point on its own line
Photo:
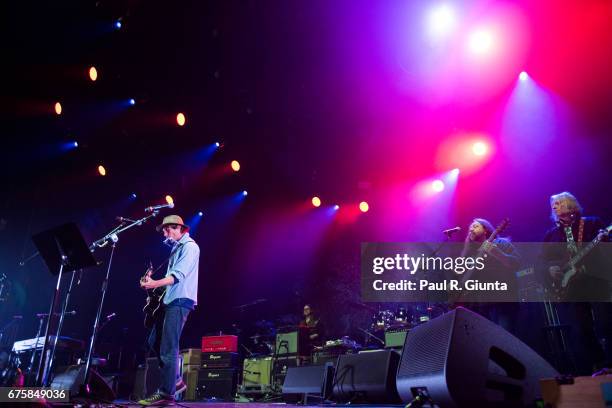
x=166 y=335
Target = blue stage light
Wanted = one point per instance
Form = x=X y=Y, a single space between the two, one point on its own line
x=336 y=207
x=200 y=213
x=75 y=143
x=118 y=24
x=133 y=195
x=132 y=101
x=217 y=144
x=244 y=193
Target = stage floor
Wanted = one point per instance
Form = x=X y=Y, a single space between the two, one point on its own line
x=255 y=404
x=191 y=404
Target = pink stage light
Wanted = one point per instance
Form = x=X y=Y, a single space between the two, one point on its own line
x=437 y=186
x=480 y=41
x=480 y=148
x=441 y=21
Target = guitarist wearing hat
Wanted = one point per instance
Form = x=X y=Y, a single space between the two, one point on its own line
x=179 y=299
x=501 y=260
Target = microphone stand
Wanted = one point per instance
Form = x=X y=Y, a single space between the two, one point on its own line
x=41 y=316
x=112 y=236
x=59 y=329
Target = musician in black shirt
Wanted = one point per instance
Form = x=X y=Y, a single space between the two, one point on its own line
x=576 y=231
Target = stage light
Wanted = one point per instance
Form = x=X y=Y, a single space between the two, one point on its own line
x=133 y=195
x=437 y=186
x=479 y=148
x=58 y=108
x=93 y=73
x=441 y=21
x=101 y=170
x=316 y=201
x=132 y=101
x=118 y=24
x=200 y=213
x=455 y=172
x=180 y=119
x=523 y=76
x=363 y=206
x=336 y=207
x=244 y=193
x=217 y=144
x=75 y=143
x=235 y=165
x=480 y=41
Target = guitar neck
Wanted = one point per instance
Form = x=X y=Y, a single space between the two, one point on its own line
x=578 y=257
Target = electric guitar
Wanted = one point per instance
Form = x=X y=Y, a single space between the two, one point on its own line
x=571 y=268
x=153 y=308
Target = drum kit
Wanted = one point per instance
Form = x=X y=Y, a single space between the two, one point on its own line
x=405 y=317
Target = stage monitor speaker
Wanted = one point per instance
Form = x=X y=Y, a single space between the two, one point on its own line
x=367 y=377
x=301 y=382
x=461 y=359
x=71 y=378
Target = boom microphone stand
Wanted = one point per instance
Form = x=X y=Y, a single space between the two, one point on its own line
x=112 y=236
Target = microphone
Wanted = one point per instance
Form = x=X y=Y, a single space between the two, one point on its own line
x=110 y=316
x=159 y=207
x=451 y=230
x=124 y=219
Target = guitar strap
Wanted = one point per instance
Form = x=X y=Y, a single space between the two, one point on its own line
x=581 y=230
x=167 y=259
x=571 y=243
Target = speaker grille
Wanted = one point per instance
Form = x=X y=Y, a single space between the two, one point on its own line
x=426 y=347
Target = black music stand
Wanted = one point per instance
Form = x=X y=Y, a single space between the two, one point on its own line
x=64 y=250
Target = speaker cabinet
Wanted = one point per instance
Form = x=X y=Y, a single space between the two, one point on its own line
x=462 y=359
x=72 y=377
x=217 y=383
x=308 y=380
x=367 y=377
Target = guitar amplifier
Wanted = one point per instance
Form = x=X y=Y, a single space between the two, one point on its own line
x=395 y=338
x=190 y=376
x=216 y=344
x=220 y=360
x=192 y=356
x=217 y=383
x=256 y=372
x=287 y=343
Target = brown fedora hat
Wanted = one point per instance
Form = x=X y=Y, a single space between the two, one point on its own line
x=172 y=220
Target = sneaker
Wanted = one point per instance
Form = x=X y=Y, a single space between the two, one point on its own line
x=180 y=386
x=157 y=399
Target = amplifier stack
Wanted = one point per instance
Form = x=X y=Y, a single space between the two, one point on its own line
x=219 y=367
